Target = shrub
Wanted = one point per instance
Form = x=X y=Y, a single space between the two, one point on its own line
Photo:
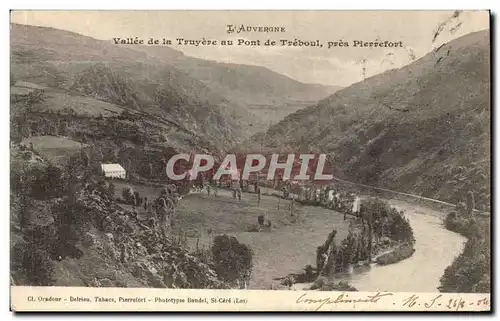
x=128 y=195
x=322 y=284
x=340 y=286
x=111 y=189
x=233 y=260
x=35 y=97
x=471 y=270
x=35 y=263
x=38 y=181
x=465 y=226
x=71 y=219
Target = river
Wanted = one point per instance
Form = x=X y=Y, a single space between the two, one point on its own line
x=288 y=249
x=435 y=246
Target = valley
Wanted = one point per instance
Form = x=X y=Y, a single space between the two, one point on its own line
x=79 y=102
x=420 y=129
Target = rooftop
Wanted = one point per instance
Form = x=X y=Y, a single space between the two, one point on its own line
x=112 y=167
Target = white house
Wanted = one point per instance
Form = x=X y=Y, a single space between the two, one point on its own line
x=113 y=170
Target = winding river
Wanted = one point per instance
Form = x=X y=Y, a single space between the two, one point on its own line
x=288 y=249
x=435 y=246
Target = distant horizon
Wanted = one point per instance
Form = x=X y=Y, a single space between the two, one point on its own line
x=186 y=55
x=309 y=67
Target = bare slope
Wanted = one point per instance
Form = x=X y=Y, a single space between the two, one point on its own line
x=423 y=128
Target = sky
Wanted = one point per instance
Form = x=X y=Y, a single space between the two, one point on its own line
x=340 y=66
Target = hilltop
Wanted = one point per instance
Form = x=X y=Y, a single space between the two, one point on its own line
x=89 y=68
x=240 y=97
x=423 y=128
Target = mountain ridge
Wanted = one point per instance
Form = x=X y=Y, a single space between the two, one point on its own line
x=242 y=85
x=399 y=129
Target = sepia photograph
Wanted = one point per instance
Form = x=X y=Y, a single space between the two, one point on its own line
x=250 y=160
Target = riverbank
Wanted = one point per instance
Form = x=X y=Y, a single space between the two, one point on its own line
x=435 y=249
x=381 y=234
x=470 y=272
x=288 y=248
x=395 y=255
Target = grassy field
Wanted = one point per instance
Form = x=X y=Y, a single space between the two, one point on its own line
x=24 y=88
x=54 y=148
x=286 y=248
x=20 y=90
x=56 y=101
x=26 y=84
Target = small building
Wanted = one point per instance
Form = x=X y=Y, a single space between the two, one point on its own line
x=113 y=171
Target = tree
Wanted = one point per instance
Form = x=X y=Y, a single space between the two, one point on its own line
x=38 y=181
x=71 y=170
x=128 y=195
x=71 y=219
x=25 y=207
x=35 y=262
x=163 y=171
x=85 y=159
x=54 y=184
x=35 y=97
x=388 y=220
x=233 y=260
x=323 y=251
x=370 y=236
x=111 y=190
x=470 y=203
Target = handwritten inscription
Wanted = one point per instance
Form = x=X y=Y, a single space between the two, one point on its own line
x=56 y=298
x=456 y=304
x=341 y=299
x=439 y=302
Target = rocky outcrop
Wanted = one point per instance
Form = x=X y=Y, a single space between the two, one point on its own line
x=118 y=250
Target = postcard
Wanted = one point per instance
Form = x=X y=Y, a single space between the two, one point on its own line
x=250 y=161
